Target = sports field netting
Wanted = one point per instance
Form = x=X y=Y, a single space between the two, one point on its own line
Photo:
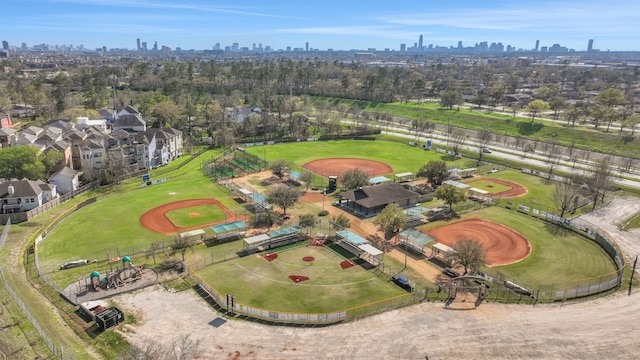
x=230 y=226
x=416 y=236
x=418 y=210
x=283 y=231
x=351 y=237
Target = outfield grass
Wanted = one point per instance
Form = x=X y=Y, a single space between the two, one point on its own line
x=401 y=157
x=557 y=255
x=112 y=226
x=257 y=282
x=186 y=217
x=489 y=186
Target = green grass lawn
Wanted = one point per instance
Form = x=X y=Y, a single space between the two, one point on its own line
x=186 y=217
x=256 y=282
x=557 y=255
x=401 y=157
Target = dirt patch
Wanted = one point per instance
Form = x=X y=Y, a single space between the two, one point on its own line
x=338 y=166
x=298 y=278
x=312 y=197
x=156 y=219
x=308 y=258
x=515 y=191
x=194 y=214
x=502 y=245
x=270 y=256
x=347 y=264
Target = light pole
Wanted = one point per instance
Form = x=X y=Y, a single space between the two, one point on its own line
x=324 y=194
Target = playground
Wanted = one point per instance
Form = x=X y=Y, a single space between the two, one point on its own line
x=123 y=276
x=158 y=221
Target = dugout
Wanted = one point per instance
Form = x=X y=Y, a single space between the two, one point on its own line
x=360 y=247
x=192 y=236
x=415 y=240
x=229 y=231
x=404 y=177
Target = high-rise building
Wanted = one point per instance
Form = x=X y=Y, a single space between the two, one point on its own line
x=306 y=46
x=155 y=46
x=403 y=47
x=537 y=45
x=590 y=45
x=138 y=43
x=420 y=43
x=5 y=45
x=144 y=46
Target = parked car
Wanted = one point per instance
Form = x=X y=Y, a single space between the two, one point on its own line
x=486 y=150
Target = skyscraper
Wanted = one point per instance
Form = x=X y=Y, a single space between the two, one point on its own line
x=590 y=46
x=537 y=45
x=420 y=43
x=403 y=47
x=306 y=46
x=138 y=42
x=5 y=45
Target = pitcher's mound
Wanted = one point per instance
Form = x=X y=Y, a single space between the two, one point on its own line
x=298 y=278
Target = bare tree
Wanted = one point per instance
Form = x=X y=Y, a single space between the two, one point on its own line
x=283 y=196
x=469 y=253
x=457 y=139
x=565 y=195
x=184 y=348
x=601 y=179
x=483 y=139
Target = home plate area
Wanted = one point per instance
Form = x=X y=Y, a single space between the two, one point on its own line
x=270 y=256
x=347 y=264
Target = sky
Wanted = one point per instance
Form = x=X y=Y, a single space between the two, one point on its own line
x=326 y=24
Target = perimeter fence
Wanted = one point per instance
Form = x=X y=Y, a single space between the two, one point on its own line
x=56 y=349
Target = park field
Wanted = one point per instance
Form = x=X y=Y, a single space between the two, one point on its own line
x=196 y=215
x=265 y=284
x=111 y=227
x=557 y=255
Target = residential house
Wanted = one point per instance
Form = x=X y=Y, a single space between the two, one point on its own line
x=24 y=195
x=66 y=180
x=108 y=114
x=130 y=123
x=92 y=154
x=118 y=138
x=49 y=136
x=85 y=122
x=236 y=116
x=65 y=149
x=76 y=138
x=128 y=110
x=5 y=121
x=33 y=130
x=7 y=137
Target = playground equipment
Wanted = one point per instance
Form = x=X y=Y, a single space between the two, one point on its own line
x=116 y=278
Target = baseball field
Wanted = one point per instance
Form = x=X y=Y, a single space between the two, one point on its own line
x=116 y=226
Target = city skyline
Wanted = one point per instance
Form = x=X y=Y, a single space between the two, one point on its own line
x=196 y=24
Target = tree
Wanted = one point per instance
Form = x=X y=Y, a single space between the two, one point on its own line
x=536 y=107
x=435 y=171
x=267 y=218
x=450 y=195
x=283 y=196
x=307 y=221
x=307 y=178
x=391 y=219
x=565 y=195
x=483 y=139
x=450 y=98
x=601 y=179
x=341 y=222
x=280 y=167
x=181 y=244
x=167 y=113
x=24 y=162
x=457 y=139
x=469 y=253
x=354 y=179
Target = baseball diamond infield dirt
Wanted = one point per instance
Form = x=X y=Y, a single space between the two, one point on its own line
x=157 y=220
x=338 y=166
x=602 y=328
x=502 y=245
